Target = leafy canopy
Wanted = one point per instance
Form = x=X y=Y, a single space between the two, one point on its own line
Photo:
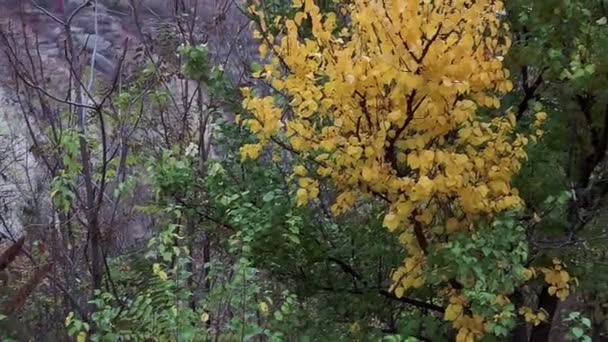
x=401 y=103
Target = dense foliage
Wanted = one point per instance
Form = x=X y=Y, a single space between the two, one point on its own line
x=420 y=170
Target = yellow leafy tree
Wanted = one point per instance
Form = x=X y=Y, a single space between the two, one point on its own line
x=390 y=105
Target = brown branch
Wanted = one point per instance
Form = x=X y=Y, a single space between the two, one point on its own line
x=530 y=91
x=422 y=242
x=51 y=96
x=11 y=253
x=410 y=110
x=346 y=268
x=415 y=302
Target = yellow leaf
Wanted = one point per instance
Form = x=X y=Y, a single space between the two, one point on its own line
x=299 y=17
x=502 y=300
x=251 y=151
x=499 y=186
x=462 y=335
x=426 y=158
x=391 y=221
x=541 y=315
x=368 y=174
x=263 y=50
x=299 y=170
x=425 y=184
x=396 y=116
x=562 y=294
x=302 y=197
x=541 y=116
x=297 y=143
x=452 y=312
x=263 y=307
x=354 y=151
x=565 y=277
x=205 y=317
x=399 y=292
x=413 y=160
x=82 y=337
x=418 y=282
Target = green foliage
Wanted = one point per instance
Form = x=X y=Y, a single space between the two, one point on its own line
x=62 y=190
x=3 y=334
x=566 y=43
x=63 y=185
x=488 y=263
x=337 y=267
x=578 y=327
x=160 y=310
x=196 y=61
x=172 y=174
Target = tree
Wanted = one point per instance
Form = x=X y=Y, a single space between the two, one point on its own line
x=402 y=104
x=559 y=58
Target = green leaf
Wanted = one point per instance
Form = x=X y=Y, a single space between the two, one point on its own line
x=586 y=322
x=187 y=334
x=554 y=53
x=577 y=332
x=255 y=67
x=574 y=315
x=269 y=196
x=294 y=239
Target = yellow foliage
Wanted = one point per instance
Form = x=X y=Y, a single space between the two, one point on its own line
x=470 y=328
x=251 y=151
x=263 y=308
x=309 y=189
x=452 y=312
x=299 y=170
x=158 y=271
x=530 y=316
x=82 y=336
x=528 y=273
x=389 y=107
x=558 y=279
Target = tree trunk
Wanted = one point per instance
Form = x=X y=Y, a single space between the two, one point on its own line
x=520 y=333
x=540 y=333
x=91 y=205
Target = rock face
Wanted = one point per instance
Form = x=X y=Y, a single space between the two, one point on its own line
x=103 y=31
x=19 y=177
x=107 y=26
